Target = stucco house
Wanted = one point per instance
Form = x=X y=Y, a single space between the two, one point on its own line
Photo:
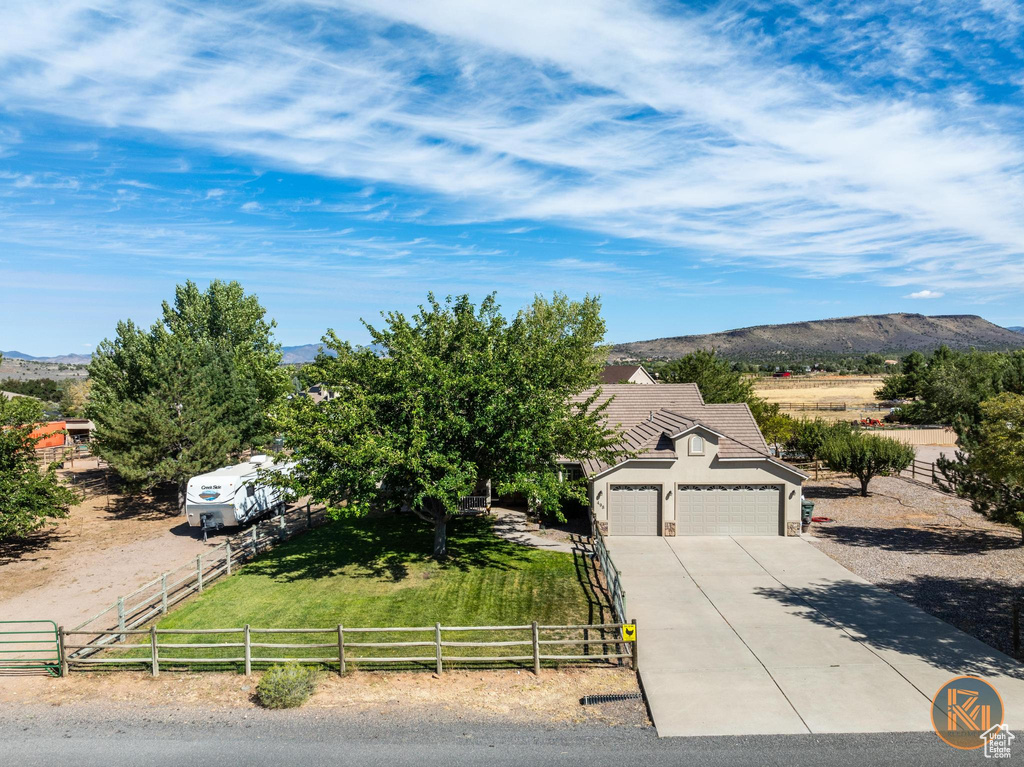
x=695 y=469
x=619 y=374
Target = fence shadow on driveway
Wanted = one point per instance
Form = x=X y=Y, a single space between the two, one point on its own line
x=888 y=623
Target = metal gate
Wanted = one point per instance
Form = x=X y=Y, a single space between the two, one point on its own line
x=30 y=645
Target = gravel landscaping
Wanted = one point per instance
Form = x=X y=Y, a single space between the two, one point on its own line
x=926 y=547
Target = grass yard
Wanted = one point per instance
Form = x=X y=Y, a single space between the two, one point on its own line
x=377 y=572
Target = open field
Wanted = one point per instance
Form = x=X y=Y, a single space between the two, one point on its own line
x=811 y=389
x=105 y=548
x=23 y=370
x=856 y=390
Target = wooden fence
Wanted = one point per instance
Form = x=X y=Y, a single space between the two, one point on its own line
x=808 y=382
x=428 y=647
x=833 y=407
x=932 y=435
x=160 y=594
x=612 y=577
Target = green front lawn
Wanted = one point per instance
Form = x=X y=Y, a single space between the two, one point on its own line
x=377 y=572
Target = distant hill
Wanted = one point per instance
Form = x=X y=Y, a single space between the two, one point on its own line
x=66 y=359
x=882 y=333
x=1017 y=329
x=296 y=355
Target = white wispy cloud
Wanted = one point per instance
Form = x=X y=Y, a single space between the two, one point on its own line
x=926 y=294
x=251 y=207
x=689 y=130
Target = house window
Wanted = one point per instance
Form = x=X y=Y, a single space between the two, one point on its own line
x=696 y=445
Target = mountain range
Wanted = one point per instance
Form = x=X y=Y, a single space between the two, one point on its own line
x=882 y=333
x=891 y=334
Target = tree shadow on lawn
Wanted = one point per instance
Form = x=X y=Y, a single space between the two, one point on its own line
x=980 y=607
x=817 y=492
x=927 y=539
x=386 y=546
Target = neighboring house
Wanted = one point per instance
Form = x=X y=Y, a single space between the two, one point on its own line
x=697 y=469
x=621 y=374
x=10 y=395
x=319 y=393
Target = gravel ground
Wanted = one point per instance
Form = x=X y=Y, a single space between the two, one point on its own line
x=926 y=547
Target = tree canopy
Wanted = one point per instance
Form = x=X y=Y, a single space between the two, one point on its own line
x=178 y=399
x=948 y=386
x=447 y=399
x=989 y=466
x=865 y=456
x=30 y=496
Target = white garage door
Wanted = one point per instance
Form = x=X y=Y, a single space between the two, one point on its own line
x=728 y=510
x=633 y=509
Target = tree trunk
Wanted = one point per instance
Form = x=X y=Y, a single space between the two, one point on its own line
x=182 y=493
x=441 y=537
x=864 y=486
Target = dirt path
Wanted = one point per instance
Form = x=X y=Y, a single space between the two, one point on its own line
x=103 y=550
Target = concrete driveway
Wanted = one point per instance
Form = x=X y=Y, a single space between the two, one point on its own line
x=765 y=635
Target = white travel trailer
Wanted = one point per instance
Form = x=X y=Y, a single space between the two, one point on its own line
x=232 y=496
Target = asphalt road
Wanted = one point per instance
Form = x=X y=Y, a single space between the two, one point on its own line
x=86 y=740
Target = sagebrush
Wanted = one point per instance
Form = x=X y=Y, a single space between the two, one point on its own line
x=287 y=686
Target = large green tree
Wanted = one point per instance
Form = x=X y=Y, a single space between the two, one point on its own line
x=714 y=376
x=199 y=385
x=865 y=456
x=30 y=495
x=451 y=397
x=720 y=381
x=989 y=466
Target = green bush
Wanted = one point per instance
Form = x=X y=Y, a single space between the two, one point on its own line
x=287 y=686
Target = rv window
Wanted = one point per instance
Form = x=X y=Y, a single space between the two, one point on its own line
x=250 y=490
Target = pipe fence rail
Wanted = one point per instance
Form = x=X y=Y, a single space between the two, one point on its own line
x=429 y=647
x=116 y=621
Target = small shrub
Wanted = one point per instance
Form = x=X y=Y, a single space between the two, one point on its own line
x=287 y=686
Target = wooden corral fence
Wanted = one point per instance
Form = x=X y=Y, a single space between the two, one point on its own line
x=115 y=622
x=806 y=382
x=930 y=435
x=833 y=407
x=426 y=647
x=610 y=573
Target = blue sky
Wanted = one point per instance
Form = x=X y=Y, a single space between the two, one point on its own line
x=701 y=165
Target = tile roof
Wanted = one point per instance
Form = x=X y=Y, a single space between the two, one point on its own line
x=647 y=416
x=617 y=374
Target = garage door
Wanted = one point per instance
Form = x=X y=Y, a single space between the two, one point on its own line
x=633 y=509
x=728 y=510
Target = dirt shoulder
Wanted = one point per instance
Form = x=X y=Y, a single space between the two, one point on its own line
x=108 y=546
x=554 y=697
x=926 y=547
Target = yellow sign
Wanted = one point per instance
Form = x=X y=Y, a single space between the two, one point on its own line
x=628 y=632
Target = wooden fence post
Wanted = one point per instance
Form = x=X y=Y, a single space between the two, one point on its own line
x=341 y=650
x=254 y=540
x=62 y=652
x=248 y=652
x=163 y=593
x=280 y=528
x=437 y=641
x=227 y=557
x=309 y=516
x=155 y=667
x=120 y=617
x=536 y=649
x=199 y=573
x=636 y=644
